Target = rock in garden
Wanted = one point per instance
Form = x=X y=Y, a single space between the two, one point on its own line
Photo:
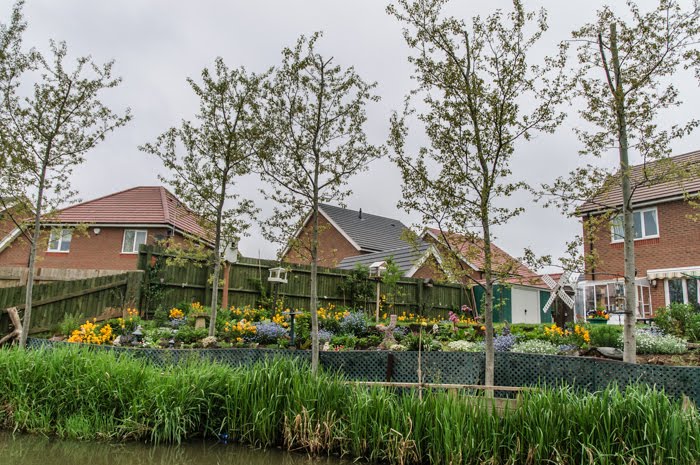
x=209 y=342
x=610 y=352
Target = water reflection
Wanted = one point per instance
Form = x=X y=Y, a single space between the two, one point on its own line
x=37 y=450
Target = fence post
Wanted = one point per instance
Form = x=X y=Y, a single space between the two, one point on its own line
x=144 y=263
x=132 y=296
x=224 y=294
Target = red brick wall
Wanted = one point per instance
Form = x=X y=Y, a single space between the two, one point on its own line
x=430 y=269
x=678 y=245
x=87 y=251
x=6 y=224
x=333 y=247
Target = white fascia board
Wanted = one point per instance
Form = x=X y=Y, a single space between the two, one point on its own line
x=14 y=234
x=430 y=251
x=439 y=239
x=339 y=229
x=296 y=234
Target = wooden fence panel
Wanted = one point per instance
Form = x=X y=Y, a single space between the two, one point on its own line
x=13 y=276
x=248 y=276
x=88 y=297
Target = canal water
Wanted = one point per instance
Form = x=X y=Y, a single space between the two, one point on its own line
x=38 y=450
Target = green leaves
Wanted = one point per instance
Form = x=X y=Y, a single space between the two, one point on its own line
x=314 y=139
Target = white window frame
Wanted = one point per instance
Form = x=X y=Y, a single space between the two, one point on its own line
x=641 y=212
x=136 y=232
x=59 y=241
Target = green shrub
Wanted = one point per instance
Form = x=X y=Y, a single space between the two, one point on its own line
x=529 y=332
x=605 y=335
x=189 y=335
x=692 y=328
x=680 y=320
x=535 y=346
x=429 y=342
x=70 y=322
x=373 y=340
x=160 y=316
x=348 y=341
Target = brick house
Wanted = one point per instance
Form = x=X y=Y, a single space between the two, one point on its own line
x=667 y=251
x=109 y=231
x=350 y=237
x=344 y=233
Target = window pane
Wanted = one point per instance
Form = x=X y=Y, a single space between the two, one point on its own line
x=66 y=236
x=675 y=291
x=601 y=297
x=140 y=239
x=54 y=239
x=637 y=225
x=590 y=299
x=618 y=230
x=128 y=241
x=692 y=284
x=650 y=225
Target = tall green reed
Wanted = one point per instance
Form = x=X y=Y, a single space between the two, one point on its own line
x=77 y=393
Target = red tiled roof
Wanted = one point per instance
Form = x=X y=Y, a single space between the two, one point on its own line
x=649 y=193
x=473 y=252
x=139 y=205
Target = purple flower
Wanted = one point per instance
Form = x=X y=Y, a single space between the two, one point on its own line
x=504 y=343
x=268 y=333
x=324 y=336
x=355 y=323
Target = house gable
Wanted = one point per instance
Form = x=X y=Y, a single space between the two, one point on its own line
x=344 y=233
x=333 y=245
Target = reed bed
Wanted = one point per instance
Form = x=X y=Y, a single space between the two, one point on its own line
x=77 y=393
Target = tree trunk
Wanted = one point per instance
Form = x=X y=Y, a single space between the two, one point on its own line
x=214 y=294
x=217 y=263
x=630 y=348
x=489 y=368
x=32 y=259
x=314 y=292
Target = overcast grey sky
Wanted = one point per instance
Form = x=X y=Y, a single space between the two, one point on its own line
x=158 y=43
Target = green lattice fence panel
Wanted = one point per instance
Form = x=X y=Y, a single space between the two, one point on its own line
x=358 y=366
x=450 y=367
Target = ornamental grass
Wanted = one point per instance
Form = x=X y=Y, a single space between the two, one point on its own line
x=78 y=393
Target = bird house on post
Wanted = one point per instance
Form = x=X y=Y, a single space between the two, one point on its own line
x=377 y=270
x=278 y=275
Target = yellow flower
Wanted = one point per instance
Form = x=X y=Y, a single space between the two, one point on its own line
x=176 y=314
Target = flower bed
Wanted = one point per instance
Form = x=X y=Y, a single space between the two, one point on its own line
x=343 y=329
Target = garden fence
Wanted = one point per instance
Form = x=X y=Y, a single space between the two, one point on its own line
x=87 y=297
x=511 y=369
x=247 y=285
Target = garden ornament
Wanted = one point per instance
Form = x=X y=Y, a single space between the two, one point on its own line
x=388 y=331
x=558 y=290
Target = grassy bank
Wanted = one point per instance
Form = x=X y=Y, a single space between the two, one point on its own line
x=72 y=392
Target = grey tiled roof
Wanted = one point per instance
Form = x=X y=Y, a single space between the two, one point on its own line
x=405 y=257
x=371 y=233
x=647 y=193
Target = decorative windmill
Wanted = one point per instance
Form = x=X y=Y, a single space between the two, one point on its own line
x=558 y=290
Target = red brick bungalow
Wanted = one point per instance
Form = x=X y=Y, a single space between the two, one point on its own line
x=115 y=226
x=666 y=244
